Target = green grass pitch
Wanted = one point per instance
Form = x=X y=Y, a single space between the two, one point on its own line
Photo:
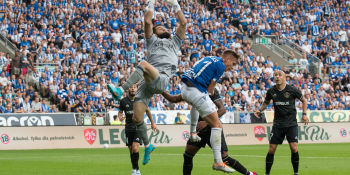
x=315 y=159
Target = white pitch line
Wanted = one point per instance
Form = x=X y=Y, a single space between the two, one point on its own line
x=169 y=154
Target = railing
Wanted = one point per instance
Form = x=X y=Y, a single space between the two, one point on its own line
x=265 y=40
x=300 y=50
x=274 y=40
x=46 y=64
x=344 y=68
x=8 y=43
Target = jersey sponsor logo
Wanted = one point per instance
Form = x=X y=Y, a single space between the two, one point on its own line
x=282 y=103
x=90 y=135
x=186 y=135
x=286 y=94
x=5 y=139
x=343 y=132
x=259 y=132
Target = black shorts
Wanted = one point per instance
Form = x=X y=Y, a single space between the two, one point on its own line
x=278 y=134
x=204 y=134
x=132 y=136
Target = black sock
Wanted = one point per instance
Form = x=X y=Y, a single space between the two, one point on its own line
x=235 y=165
x=135 y=160
x=188 y=164
x=269 y=162
x=295 y=161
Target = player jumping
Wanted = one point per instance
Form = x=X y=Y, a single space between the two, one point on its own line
x=198 y=81
x=154 y=72
x=133 y=141
x=285 y=122
x=204 y=132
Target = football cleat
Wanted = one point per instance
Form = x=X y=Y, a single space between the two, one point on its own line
x=222 y=167
x=252 y=173
x=148 y=151
x=117 y=93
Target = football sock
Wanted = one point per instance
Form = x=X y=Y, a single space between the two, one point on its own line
x=215 y=141
x=295 y=162
x=269 y=162
x=235 y=165
x=135 y=160
x=194 y=119
x=188 y=164
x=134 y=77
x=141 y=129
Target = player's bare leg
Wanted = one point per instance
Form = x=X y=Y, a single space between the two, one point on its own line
x=295 y=156
x=215 y=141
x=141 y=129
x=270 y=157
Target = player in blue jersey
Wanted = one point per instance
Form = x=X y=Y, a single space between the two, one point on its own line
x=199 y=83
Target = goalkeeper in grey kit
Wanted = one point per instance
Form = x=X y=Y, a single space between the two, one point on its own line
x=155 y=71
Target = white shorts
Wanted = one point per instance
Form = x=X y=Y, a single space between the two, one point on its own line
x=199 y=100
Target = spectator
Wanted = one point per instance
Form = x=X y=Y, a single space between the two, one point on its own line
x=36 y=105
x=180 y=118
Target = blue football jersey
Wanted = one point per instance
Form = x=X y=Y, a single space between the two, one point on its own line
x=205 y=70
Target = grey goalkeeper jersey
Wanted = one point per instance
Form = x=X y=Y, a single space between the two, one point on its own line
x=162 y=54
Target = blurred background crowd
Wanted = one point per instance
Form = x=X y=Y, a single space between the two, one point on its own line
x=69 y=50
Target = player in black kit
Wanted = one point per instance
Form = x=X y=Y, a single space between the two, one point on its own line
x=285 y=122
x=204 y=132
x=133 y=141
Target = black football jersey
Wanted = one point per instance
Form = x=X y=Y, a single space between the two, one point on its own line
x=127 y=106
x=284 y=104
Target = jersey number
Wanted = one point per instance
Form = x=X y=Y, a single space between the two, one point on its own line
x=207 y=63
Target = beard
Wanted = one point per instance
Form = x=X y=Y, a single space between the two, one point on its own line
x=164 y=35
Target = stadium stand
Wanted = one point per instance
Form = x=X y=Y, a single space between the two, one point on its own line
x=68 y=51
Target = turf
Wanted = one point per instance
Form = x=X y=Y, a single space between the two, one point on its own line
x=316 y=159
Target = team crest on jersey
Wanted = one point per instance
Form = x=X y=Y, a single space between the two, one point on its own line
x=287 y=94
x=127 y=106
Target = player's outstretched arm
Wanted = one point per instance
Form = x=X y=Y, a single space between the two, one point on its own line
x=304 y=118
x=221 y=108
x=148 y=18
x=211 y=87
x=181 y=30
x=149 y=115
x=262 y=108
x=172 y=98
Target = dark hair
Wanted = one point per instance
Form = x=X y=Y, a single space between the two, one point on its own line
x=115 y=117
x=231 y=52
x=155 y=26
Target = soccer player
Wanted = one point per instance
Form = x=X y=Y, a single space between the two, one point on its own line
x=204 y=132
x=133 y=141
x=198 y=81
x=154 y=72
x=285 y=122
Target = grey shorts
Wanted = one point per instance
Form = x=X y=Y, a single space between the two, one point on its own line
x=146 y=90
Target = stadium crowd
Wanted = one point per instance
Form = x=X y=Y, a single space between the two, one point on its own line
x=70 y=50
